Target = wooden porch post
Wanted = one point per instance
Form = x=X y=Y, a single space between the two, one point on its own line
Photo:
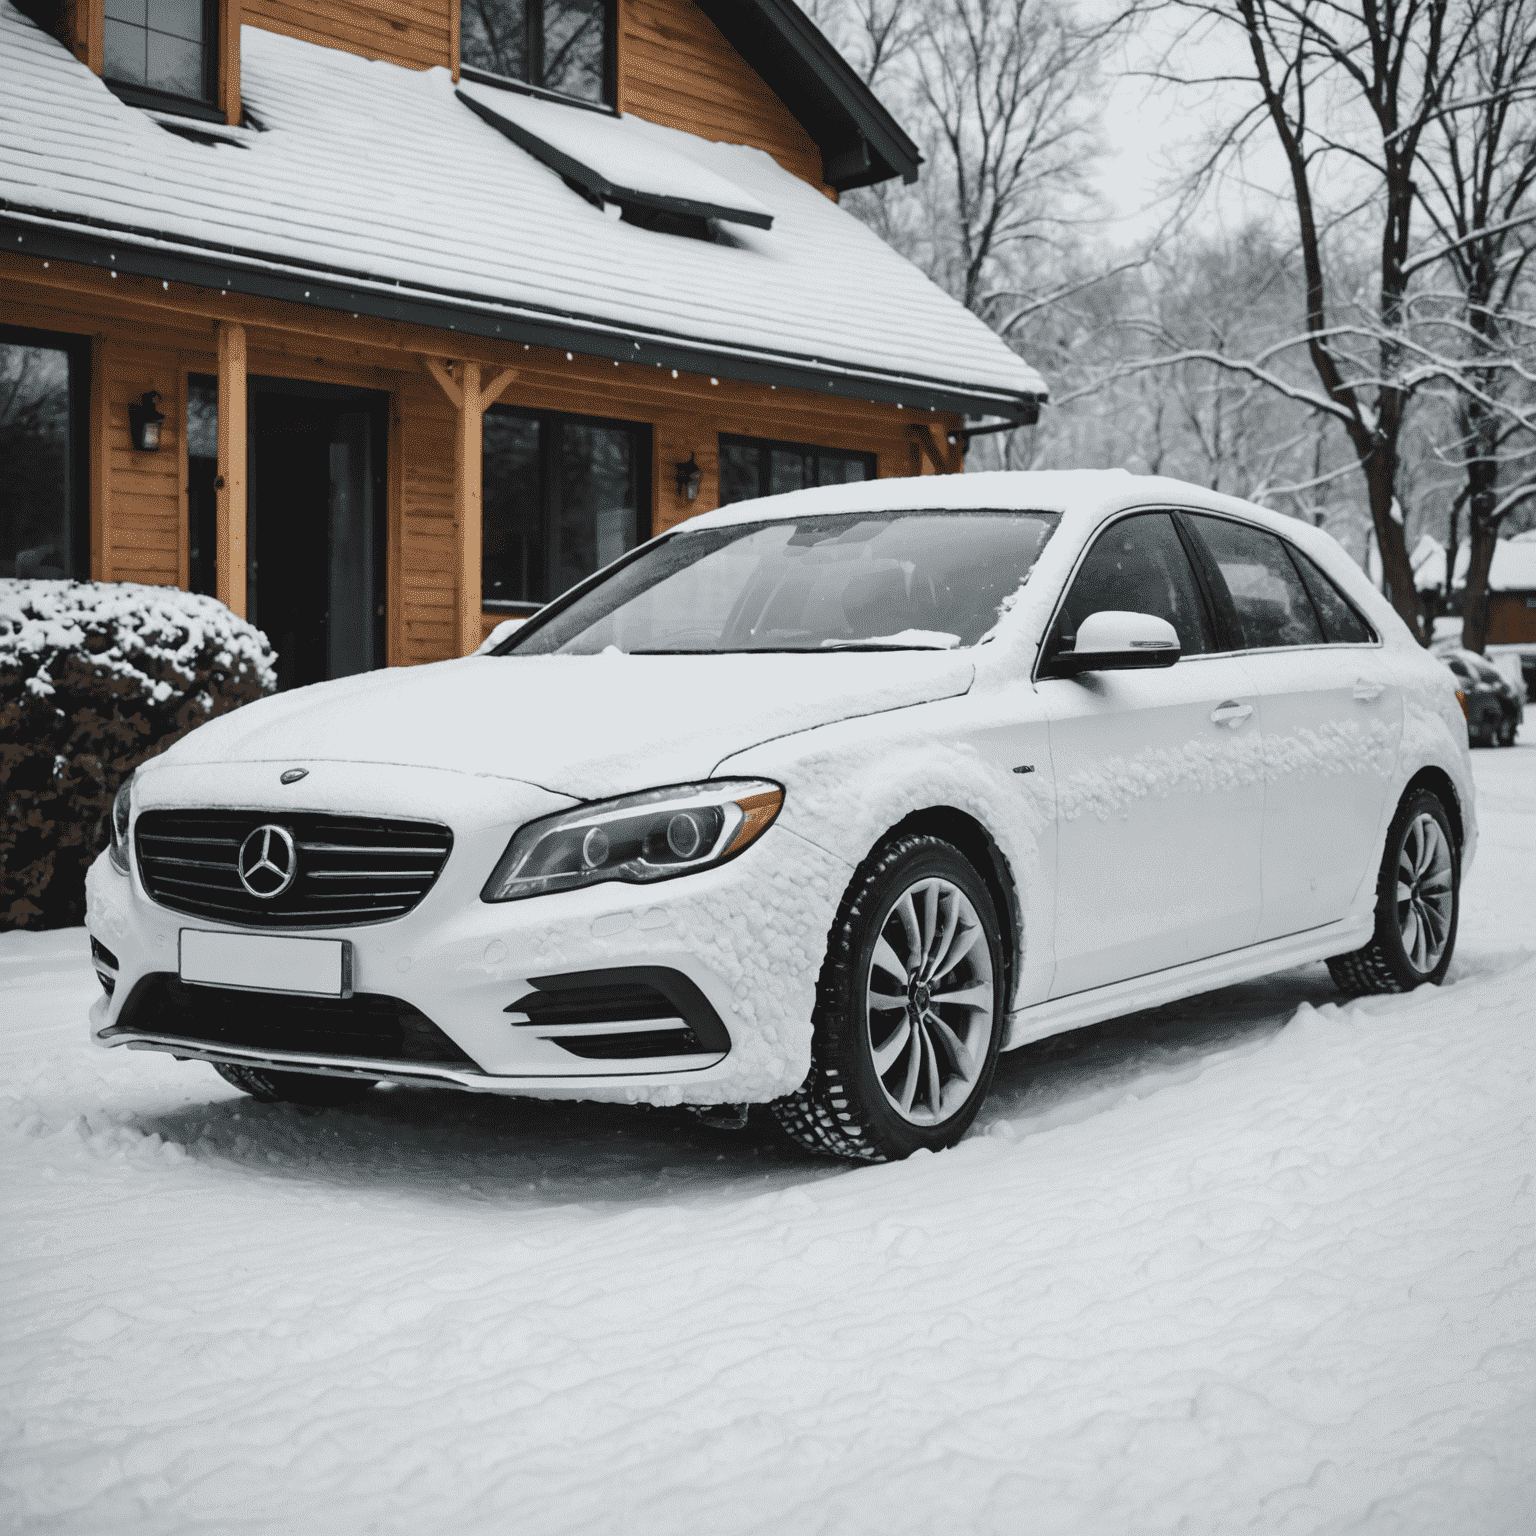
x=229 y=487
x=462 y=387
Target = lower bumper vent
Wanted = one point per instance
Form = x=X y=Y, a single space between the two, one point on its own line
x=367 y=1025
x=565 y=1009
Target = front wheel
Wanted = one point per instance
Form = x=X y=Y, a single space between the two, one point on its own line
x=909 y=1010
x=293 y=1087
x=1418 y=904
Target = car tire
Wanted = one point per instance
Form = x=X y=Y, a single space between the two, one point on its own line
x=313 y=1088
x=891 y=1079
x=1507 y=730
x=1415 y=932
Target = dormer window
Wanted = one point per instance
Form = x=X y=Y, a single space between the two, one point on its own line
x=563 y=46
x=163 y=53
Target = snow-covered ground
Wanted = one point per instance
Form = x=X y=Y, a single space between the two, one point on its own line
x=1254 y=1261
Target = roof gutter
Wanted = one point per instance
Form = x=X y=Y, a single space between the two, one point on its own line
x=53 y=237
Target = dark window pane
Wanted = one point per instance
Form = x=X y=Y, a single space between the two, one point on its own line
x=1139 y=566
x=573 y=47
x=35 y=488
x=597 y=500
x=740 y=472
x=178 y=18
x=124 y=50
x=787 y=471
x=202 y=469
x=174 y=65
x=1341 y=624
x=926 y=579
x=1273 y=608
x=494 y=36
x=840 y=468
x=512 y=567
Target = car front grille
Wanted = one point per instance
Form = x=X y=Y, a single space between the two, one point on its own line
x=350 y=869
x=367 y=1026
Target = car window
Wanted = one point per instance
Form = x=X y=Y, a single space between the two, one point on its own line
x=1138 y=565
x=1459 y=668
x=1272 y=606
x=1341 y=624
x=878 y=580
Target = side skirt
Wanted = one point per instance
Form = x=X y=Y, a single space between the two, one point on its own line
x=1060 y=1014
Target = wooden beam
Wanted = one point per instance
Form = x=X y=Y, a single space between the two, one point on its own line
x=100 y=460
x=467 y=512
x=445 y=381
x=229 y=62
x=498 y=387
x=230 y=485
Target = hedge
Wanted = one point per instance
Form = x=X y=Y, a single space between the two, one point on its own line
x=95 y=677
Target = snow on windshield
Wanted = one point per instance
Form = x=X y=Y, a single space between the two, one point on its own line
x=895 y=580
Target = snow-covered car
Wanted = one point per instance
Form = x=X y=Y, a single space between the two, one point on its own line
x=1494 y=709
x=817 y=801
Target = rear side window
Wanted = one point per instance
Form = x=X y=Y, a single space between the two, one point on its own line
x=1271 y=603
x=1138 y=565
x=1341 y=624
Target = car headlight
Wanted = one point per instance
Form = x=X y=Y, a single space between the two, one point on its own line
x=657 y=835
x=121 y=806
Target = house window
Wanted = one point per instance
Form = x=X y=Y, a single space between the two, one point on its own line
x=753 y=466
x=557 y=45
x=163 y=53
x=44 y=496
x=563 y=496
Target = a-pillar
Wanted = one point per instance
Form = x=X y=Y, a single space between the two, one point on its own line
x=229 y=487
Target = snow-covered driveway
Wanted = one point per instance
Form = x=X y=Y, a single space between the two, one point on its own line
x=1251 y=1262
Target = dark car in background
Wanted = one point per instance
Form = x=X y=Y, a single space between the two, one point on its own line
x=1494 y=706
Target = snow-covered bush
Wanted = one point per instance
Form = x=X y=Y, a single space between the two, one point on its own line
x=94 y=678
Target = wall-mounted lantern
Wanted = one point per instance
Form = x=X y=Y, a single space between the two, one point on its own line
x=688 y=477
x=144 y=422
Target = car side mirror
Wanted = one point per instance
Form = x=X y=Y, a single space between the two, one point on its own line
x=1113 y=641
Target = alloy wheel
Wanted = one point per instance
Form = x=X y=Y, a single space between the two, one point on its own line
x=930 y=1002
x=1426 y=900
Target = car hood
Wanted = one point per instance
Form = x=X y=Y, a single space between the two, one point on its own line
x=586 y=726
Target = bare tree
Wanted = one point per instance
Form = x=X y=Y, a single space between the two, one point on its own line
x=1346 y=90
x=1475 y=184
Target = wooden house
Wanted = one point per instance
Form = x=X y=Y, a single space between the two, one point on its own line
x=384 y=320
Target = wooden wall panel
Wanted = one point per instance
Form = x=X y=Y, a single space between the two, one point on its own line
x=1511 y=618
x=677 y=69
x=416 y=33
x=151 y=336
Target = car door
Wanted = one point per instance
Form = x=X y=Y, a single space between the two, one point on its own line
x=1333 y=720
x=1159 y=776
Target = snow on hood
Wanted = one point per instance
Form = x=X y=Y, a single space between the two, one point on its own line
x=587 y=726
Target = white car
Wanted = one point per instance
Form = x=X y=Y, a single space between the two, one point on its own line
x=818 y=801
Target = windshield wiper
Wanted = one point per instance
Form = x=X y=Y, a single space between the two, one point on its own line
x=797 y=650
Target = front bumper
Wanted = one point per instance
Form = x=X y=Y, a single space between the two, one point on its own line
x=750 y=936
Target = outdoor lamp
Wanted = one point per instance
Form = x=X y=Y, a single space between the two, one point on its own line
x=144 y=422
x=688 y=476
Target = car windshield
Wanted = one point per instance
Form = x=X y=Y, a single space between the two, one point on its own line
x=925 y=580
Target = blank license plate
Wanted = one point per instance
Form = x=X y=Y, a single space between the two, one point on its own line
x=261 y=962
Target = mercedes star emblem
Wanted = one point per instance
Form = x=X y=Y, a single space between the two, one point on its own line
x=293 y=775
x=268 y=862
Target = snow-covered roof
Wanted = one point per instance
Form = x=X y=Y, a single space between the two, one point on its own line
x=1514 y=566
x=374 y=189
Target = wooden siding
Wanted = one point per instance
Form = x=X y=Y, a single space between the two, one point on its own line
x=151 y=337
x=677 y=69
x=1512 y=618
x=416 y=33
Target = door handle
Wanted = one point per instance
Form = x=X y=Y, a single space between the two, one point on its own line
x=1231 y=713
x=1367 y=691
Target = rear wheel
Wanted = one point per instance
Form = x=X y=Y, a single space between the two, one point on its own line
x=909 y=1009
x=1507 y=731
x=294 y=1087
x=1418 y=903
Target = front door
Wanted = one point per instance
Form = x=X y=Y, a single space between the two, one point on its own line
x=315 y=527
x=1159 y=777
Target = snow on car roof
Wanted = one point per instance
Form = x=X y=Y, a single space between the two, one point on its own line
x=382 y=174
